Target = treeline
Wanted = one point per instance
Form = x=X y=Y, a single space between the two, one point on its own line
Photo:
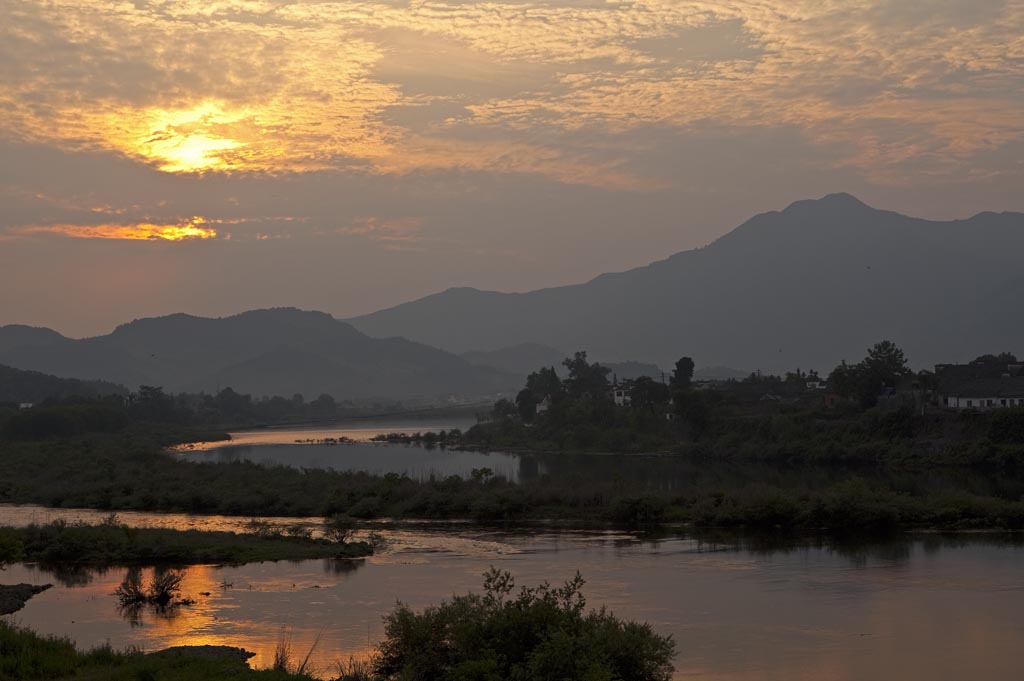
x=762 y=417
x=151 y=409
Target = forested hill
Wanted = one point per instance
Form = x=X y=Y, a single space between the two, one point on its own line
x=32 y=386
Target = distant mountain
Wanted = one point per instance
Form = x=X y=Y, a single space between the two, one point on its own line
x=630 y=370
x=802 y=288
x=281 y=351
x=20 y=386
x=519 y=359
x=720 y=374
x=526 y=358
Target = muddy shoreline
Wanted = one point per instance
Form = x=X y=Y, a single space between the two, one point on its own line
x=13 y=597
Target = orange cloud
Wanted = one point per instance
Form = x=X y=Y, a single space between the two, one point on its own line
x=193 y=229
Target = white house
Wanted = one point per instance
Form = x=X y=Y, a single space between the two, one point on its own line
x=982 y=400
x=620 y=393
x=980 y=392
x=25 y=405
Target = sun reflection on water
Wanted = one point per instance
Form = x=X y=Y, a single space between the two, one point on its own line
x=942 y=608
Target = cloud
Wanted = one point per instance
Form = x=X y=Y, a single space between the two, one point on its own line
x=268 y=86
x=190 y=230
x=393 y=233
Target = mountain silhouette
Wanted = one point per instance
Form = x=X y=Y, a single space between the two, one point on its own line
x=265 y=352
x=525 y=358
x=18 y=386
x=803 y=287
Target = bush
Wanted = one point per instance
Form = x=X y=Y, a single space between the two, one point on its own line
x=366 y=508
x=162 y=589
x=11 y=548
x=339 y=528
x=639 y=511
x=543 y=633
x=130 y=592
x=1007 y=426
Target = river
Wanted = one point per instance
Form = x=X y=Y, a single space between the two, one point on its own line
x=918 y=607
x=304 y=447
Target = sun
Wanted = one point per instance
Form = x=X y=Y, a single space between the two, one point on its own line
x=195 y=139
x=192 y=153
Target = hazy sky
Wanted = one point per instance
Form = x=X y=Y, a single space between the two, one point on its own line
x=214 y=156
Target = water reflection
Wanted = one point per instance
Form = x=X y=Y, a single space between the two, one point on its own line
x=361 y=430
x=675 y=475
x=935 y=607
x=416 y=462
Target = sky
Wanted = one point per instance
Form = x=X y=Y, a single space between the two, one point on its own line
x=213 y=156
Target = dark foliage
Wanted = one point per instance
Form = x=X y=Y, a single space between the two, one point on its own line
x=542 y=634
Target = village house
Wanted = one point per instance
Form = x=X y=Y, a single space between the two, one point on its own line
x=982 y=385
x=621 y=393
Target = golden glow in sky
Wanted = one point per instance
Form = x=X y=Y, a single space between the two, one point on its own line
x=184 y=231
x=890 y=88
x=192 y=140
x=500 y=144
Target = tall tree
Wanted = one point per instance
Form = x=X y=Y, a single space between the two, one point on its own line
x=682 y=374
x=886 y=364
x=526 y=403
x=585 y=379
x=646 y=393
x=544 y=383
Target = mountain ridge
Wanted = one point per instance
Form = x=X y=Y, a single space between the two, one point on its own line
x=268 y=351
x=864 y=273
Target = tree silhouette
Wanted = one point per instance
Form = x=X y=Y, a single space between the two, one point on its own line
x=682 y=374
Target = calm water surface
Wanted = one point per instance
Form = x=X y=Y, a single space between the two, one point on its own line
x=361 y=430
x=293 y=447
x=630 y=473
x=919 y=608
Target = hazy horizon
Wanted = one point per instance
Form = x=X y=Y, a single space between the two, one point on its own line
x=229 y=312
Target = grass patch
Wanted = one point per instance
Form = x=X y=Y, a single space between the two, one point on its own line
x=111 y=543
x=27 y=656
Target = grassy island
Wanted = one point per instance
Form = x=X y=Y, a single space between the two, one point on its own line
x=112 y=543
